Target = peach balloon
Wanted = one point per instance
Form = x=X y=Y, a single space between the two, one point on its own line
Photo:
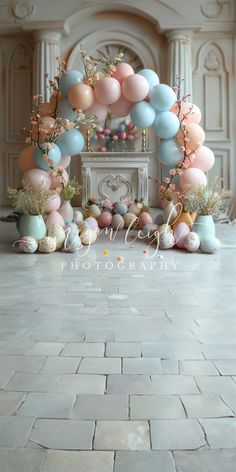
x=204 y=159
x=107 y=90
x=123 y=70
x=135 y=88
x=192 y=111
x=54 y=203
x=191 y=178
x=121 y=108
x=81 y=96
x=54 y=218
x=37 y=178
x=25 y=160
x=99 y=110
x=195 y=136
x=65 y=161
x=55 y=181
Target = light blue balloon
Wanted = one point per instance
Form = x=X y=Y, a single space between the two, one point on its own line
x=65 y=111
x=54 y=154
x=68 y=79
x=162 y=97
x=142 y=115
x=166 y=125
x=150 y=76
x=70 y=142
x=169 y=153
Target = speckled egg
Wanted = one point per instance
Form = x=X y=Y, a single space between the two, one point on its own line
x=78 y=216
x=166 y=240
x=90 y=223
x=54 y=218
x=149 y=229
x=192 y=242
x=28 y=244
x=104 y=219
x=72 y=243
x=71 y=228
x=181 y=232
x=117 y=222
x=120 y=208
x=165 y=228
x=135 y=209
x=130 y=219
x=144 y=219
x=57 y=232
x=47 y=244
x=94 y=211
x=210 y=245
x=88 y=236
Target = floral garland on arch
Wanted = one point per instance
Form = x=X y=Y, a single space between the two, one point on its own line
x=83 y=100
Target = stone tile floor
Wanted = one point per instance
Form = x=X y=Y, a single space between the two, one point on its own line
x=112 y=368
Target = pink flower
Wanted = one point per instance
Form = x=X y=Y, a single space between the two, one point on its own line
x=180 y=171
x=167 y=180
x=172 y=172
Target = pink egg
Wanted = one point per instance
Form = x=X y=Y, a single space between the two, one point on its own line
x=117 y=222
x=115 y=137
x=181 y=232
x=104 y=219
x=130 y=137
x=130 y=126
x=54 y=218
x=101 y=136
x=123 y=135
x=54 y=203
x=144 y=219
x=107 y=131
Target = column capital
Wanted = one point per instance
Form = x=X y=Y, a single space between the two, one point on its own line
x=179 y=35
x=47 y=36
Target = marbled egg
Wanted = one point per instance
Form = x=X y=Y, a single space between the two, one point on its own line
x=94 y=211
x=90 y=223
x=57 y=232
x=71 y=228
x=181 y=232
x=133 y=208
x=72 y=243
x=78 y=216
x=210 y=245
x=192 y=242
x=144 y=219
x=28 y=244
x=47 y=244
x=54 y=218
x=104 y=219
x=120 y=208
x=88 y=236
x=117 y=222
x=165 y=228
x=166 y=240
x=130 y=218
x=149 y=229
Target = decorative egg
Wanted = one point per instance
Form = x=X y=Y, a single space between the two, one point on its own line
x=120 y=208
x=47 y=244
x=130 y=218
x=166 y=240
x=192 y=242
x=88 y=236
x=54 y=218
x=117 y=222
x=28 y=244
x=144 y=219
x=133 y=208
x=104 y=219
x=57 y=232
x=94 y=211
x=78 y=216
x=149 y=229
x=210 y=245
x=90 y=223
x=165 y=228
x=71 y=228
x=159 y=219
x=72 y=243
x=54 y=203
x=181 y=232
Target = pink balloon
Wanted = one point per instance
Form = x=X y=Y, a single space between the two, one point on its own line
x=194 y=115
x=65 y=161
x=81 y=96
x=204 y=159
x=99 y=110
x=121 y=108
x=123 y=70
x=54 y=203
x=54 y=218
x=192 y=177
x=55 y=181
x=135 y=88
x=107 y=90
x=195 y=136
x=37 y=178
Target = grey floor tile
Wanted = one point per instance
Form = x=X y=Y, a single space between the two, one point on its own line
x=122 y=435
x=27 y=382
x=156 y=406
x=22 y=363
x=84 y=349
x=176 y=434
x=226 y=366
x=9 y=402
x=60 y=365
x=101 y=407
x=220 y=432
x=140 y=461
x=198 y=368
x=5 y=377
x=46 y=349
x=83 y=461
x=205 y=461
x=217 y=384
x=129 y=384
x=81 y=384
x=100 y=365
x=123 y=349
x=142 y=366
x=14 y=430
x=47 y=405
x=205 y=406
x=230 y=400
x=21 y=459
x=63 y=434
x=174 y=384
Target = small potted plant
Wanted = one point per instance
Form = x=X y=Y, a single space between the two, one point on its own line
x=69 y=192
x=33 y=204
x=205 y=201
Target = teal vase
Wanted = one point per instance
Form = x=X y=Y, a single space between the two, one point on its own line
x=204 y=226
x=32 y=225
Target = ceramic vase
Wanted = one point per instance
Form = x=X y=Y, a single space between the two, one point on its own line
x=170 y=213
x=204 y=226
x=67 y=212
x=32 y=225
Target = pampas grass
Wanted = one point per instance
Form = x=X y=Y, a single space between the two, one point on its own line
x=206 y=200
x=29 y=201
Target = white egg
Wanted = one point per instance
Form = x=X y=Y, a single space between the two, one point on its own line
x=210 y=245
x=166 y=240
x=192 y=242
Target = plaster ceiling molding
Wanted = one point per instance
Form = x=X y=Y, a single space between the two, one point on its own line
x=23 y=11
x=212 y=9
x=109 y=51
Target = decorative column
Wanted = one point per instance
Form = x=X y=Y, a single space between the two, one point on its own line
x=46 y=49
x=180 y=58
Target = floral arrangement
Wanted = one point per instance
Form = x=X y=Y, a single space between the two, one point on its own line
x=29 y=201
x=206 y=200
x=71 y=190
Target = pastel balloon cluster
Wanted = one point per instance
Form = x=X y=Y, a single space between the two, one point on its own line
x=124 y=134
